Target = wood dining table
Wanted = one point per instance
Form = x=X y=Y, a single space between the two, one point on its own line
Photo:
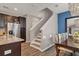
x=68 y=45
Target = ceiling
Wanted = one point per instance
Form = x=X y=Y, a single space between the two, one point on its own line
x=26 y=8
x=34 y=8
x=23 y=8
x=74 y=8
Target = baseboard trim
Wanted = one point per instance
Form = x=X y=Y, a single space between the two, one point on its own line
x=47 y=48
x=42 y=50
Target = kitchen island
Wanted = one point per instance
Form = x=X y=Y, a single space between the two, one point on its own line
x=10 y=45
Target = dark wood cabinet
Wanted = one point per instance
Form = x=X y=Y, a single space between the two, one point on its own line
x=13 y=48
x=12 y=19
x=9 y=19
x=22 y=28
x=2 y=20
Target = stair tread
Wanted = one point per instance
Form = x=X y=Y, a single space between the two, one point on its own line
x=39 y=33
x=38 y=41
x=35 y=45
x=39 y=37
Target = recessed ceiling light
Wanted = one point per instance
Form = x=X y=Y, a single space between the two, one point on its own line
x=78 y=7
x=15 y=9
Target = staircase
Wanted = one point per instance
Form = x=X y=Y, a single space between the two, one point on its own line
x=36 y=43
x=36 y=35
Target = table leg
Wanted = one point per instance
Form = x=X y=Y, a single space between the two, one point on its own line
x=74 y=53
x=57 y=51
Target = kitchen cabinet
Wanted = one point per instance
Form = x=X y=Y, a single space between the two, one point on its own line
x=5 y=19
x=22 y=28
x=10 y=46
x=2 y=20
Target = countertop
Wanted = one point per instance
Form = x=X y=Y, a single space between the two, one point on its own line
x=9 y=39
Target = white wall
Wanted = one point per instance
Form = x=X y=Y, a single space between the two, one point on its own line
x=28 y=26
x=52 y=22
x=30 y=21
x=51 y=26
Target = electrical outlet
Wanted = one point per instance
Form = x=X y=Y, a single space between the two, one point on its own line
x=7 y=52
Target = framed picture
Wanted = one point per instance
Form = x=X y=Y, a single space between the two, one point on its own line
x=72 y=24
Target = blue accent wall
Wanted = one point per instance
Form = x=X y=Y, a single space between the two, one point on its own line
x=62 y=22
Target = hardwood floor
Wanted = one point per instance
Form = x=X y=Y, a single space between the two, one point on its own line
x=26 y=50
